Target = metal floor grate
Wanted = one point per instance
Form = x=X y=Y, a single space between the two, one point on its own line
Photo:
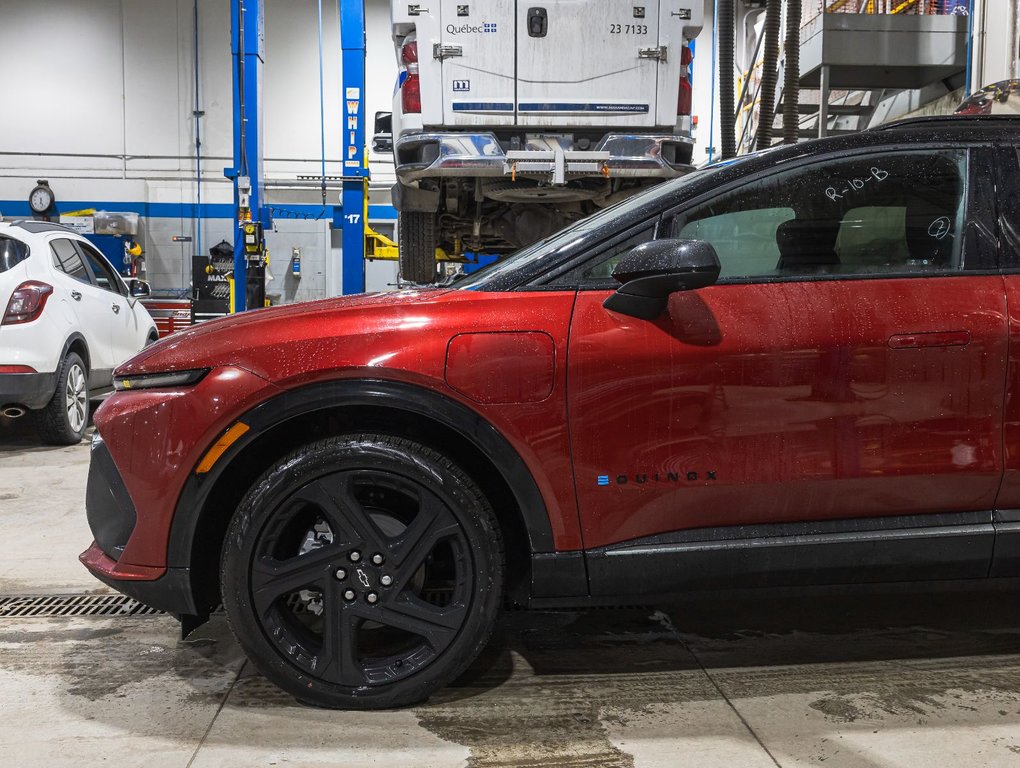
x=42 y=606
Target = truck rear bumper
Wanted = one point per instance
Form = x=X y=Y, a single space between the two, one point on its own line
x=618 y=155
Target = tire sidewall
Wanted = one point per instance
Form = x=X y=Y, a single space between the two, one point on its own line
x=53 y=421
x=411 y=461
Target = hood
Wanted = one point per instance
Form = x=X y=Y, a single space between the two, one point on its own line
x=228 y=340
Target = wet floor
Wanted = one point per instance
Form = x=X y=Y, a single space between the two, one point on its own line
x=852 y=681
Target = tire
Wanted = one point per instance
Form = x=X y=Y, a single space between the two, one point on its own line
x=416 y=240
x=301 y=564
x=65 y=417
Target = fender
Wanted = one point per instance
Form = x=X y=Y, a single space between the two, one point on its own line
x=390 y=394
x=76 y=336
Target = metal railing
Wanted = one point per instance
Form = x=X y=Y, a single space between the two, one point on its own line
x=874 y=7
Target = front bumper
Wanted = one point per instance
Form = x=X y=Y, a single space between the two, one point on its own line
x=111 y=516
x=166 y=589
x=146 y=447
x=30 y=390
x=435 y=155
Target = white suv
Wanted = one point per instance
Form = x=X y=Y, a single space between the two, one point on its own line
x=69 y=319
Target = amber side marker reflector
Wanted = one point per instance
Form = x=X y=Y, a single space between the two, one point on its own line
x=213 y=454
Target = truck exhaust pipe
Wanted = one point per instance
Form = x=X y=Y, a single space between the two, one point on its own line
x=12 y=411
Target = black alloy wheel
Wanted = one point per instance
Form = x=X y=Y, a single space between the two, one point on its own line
x=362 y=571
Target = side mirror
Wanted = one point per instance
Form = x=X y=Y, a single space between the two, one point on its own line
x=139 y=288
x=382 y=139
x=652 y=271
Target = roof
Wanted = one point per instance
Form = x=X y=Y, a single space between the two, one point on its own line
x=39 y=227
x=953 y=122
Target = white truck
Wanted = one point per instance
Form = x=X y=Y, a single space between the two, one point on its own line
x=513 y=118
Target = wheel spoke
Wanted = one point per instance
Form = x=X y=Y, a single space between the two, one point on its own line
x=346 y=516
x=272 y=578
x=437 y=626
x=338 y=661
x=433 y=523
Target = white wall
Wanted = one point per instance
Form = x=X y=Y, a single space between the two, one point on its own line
x=98 y=99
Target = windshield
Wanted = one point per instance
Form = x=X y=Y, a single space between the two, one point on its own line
x=547 y=248
x=11 y=252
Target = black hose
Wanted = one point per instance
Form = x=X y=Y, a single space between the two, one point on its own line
x=791 y=83
x=727 y=108
x=769 y=73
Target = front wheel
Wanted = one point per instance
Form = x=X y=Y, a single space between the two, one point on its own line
x=66 y=415
x=362 y=572
x=416 y=242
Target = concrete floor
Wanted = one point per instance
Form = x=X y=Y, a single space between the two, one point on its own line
x=895 y=680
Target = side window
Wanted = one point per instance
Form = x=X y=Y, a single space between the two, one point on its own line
x=603 y=268
x=596 y=271
x=105 y=275
x=67 y=259
x=12 y=252
x=888 y=213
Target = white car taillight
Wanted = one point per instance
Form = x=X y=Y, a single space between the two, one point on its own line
x=27 y=302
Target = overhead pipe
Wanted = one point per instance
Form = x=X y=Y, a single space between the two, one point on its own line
x=791 y=81
x=727 y=108
x=769 y=73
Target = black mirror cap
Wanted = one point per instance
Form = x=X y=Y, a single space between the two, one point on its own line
x=139 y=288
x=652 y=271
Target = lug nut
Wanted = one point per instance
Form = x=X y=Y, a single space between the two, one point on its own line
x=355 y=556
x=386 y=580
x=377 y=559
x=349 y=594
x=341 y=573
x=372 y=597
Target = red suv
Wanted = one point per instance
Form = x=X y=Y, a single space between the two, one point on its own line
x=800 y=368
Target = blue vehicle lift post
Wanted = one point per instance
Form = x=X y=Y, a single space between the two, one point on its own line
x=247 y=45
x=355 y=161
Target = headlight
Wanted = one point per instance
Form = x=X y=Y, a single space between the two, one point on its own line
x=154 y=380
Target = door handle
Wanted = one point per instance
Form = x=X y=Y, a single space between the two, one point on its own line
x=538 y=22
x=76 y=295
x=116 y=308
x=929 y=339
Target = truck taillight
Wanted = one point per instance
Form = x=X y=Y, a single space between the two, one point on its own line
x=410 y=89
x=684 y=95
x=684 y=98
x=27 y=302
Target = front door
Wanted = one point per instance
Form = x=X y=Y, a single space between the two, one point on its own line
x=88 y=304
x=846 y=373
x=125 y=333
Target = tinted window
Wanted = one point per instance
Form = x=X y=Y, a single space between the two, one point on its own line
x=106 y=277
x=886 y=213
x=11 y=252
x=67 y=259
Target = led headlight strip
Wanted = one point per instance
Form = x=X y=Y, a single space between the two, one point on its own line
x=154 y=380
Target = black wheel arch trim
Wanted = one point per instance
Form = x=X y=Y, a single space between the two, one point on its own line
x=368 y=392
x=71 y=339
